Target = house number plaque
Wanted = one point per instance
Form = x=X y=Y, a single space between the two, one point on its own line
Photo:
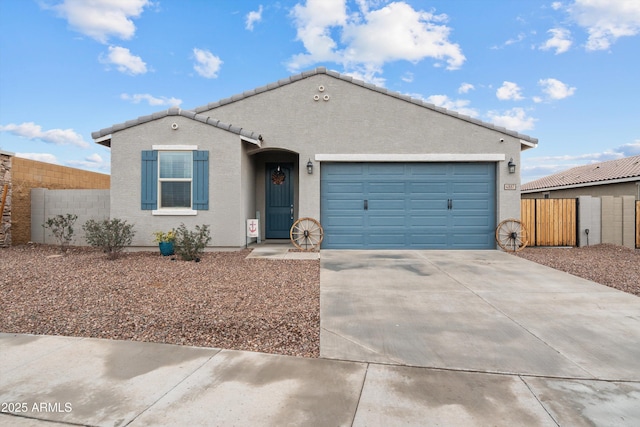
x=510 y=186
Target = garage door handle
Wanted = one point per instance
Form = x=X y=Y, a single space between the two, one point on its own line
x=449 y=204
x=366 y=205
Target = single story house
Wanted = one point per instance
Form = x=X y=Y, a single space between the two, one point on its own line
x=377 y=168
x=616 y=178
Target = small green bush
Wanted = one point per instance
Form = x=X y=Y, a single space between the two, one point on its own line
x=190 y=244
x=112 y=236
x=61 y=227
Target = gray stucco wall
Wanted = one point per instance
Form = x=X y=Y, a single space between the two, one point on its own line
x=356 y=120
x=226 y=214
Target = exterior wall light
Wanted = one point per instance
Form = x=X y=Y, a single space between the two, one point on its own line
x=512 y=166
x=309 y=167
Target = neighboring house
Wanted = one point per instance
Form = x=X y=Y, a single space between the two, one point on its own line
x=378 y=169
x=612 y=178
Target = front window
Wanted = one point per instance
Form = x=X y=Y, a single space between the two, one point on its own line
x=175 y=173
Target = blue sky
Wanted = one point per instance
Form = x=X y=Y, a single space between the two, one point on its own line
x=565 y=72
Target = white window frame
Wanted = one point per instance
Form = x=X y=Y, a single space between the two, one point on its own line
x=174 y=149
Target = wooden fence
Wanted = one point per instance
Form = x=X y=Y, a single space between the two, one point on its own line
x=638 y=224
x=550 y=222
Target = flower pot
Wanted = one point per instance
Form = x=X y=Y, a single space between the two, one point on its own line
x=166 y=248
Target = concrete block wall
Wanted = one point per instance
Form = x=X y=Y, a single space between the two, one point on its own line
x=618 y=220
x=29 y=174
x=628 y=221
x=87 y=204
x=589 y=218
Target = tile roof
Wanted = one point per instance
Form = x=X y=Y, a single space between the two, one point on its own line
x=595 y=173
x=195 y=114
x=174 y=111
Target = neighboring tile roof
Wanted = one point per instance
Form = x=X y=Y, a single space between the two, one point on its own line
x=174 y=111
x=596 y=173
x=194 y=114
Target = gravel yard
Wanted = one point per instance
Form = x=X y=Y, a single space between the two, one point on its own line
x=614 y=266
x=223 y=301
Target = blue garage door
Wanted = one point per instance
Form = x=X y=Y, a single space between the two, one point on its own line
x=408 y=205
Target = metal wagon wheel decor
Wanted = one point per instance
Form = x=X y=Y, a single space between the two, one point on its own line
x=306 y=234
x=511 y=235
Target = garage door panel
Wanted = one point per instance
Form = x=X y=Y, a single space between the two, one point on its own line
x=427 y=205
x=387 y=169
x=428 y=188
x=428 y=221
x=410 y=205
x=343 y=221
x=345 y=188
x=386 y=187
x=387 y=221
x=427 y=169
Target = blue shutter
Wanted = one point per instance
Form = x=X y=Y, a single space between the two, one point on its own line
x=200 y=180
x=149 y=194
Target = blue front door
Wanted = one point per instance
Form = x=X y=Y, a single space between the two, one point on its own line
x=279 y=200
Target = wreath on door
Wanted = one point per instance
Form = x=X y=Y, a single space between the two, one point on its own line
x=277 y=177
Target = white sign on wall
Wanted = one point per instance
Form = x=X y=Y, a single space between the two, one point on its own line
x=252 y=228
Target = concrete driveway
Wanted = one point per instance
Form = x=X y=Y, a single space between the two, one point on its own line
x=575 y=344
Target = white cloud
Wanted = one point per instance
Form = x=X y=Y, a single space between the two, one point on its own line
x=253 y=17
x=509 y=91
x=466 y=87
x=556 y=5
x=151 y=100
x=509 y=42
x=364 y=40
x=458 y=105
x=101 y=19
x=514 y=119
x=555 y=89
x=560 y=40
x=539 y=167
x=407 y=77
x=33 y=131
x=124 y=61
x=606 y=20
x=94 y=161
x=207 y=64
x=40 y=157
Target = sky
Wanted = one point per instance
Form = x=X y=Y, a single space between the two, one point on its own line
x=564 y=72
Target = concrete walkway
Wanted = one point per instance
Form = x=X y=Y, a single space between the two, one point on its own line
x=408 y=338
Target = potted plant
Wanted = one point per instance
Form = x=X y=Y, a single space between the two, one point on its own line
x=165 y=241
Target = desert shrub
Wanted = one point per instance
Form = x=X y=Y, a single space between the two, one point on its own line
x=190 y=244
x=111 y=235
x=61 y=226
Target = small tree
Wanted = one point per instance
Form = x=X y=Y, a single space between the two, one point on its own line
x=61 y=227
x=112 y=236
x=190 y=244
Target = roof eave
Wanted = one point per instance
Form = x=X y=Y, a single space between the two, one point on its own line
x=104 y=140
x=525 y=145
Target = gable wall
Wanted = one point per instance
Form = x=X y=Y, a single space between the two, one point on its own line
x=357 y=120
x=226 y=206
